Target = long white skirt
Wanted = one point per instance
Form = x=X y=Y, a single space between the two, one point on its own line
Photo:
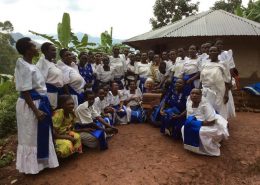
x=210 y=137
x=26 y=161
x=231 y=106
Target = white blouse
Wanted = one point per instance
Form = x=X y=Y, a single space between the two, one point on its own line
x=100 y=105
x=142 y=70
x=72 y=77
x=28 y=77
x=51 y=73
x=85 y=114
x=190 y=66
x=104 y=76
x=137 y=94
x=119 y=66
x=115 y=100
x=178 y=67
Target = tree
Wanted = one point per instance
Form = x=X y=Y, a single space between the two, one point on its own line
x=8 y=54
x=169 y=11
x=229 y=5
x=66 y=38
x=252 y=11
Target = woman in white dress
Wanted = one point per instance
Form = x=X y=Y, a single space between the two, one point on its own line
x=204 y=129
x=190 y=70
x=73 y=82
x=105 y=73
x=51 y=73
x=178 y=66
x=215 y=78
x=226 y=57
x=35 y=149
x=119 y=66
x=142 y=70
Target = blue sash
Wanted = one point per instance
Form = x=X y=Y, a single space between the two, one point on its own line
x=121 y=114
x=99 y=134
x=43 y=125
x=73 y=92
x=188 y=87
x=137 y=114
x=155 y=116
x=108 y=120
x=141 y=84
x=51 y=88
x=192 y=131
x=167 y=119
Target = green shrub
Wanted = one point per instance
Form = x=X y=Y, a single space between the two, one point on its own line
x=7 y=114
x=7 y=88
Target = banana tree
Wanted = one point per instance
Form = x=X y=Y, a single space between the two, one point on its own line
x=66 y=38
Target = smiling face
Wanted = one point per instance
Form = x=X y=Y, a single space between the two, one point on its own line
x=181 y=52
x=144 y=57
x=172 y=55
x=90 y=99
x=132 y=85
x=101 y=94
x=164 y=55
x=67 y=58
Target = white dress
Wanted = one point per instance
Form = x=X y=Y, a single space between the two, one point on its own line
x=131 y=68
x=178 y=66
x=210 y=136
x=128 y=95
x=119 y=66
x=213 y=78
x=72 y=78
x=28 y=77
x=191 y=66
x=104 y=76
x=52 y=75
x=114 y=101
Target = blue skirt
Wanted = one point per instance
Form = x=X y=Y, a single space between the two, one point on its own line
x=137 y=114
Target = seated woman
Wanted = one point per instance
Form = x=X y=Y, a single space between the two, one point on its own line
x=67 y=141
x=91 y=126
x=149 y=86
x=101 y=104
x=73 y=82
x=134 y=110
x=116 y=103
x=203 y=129
x=173 y=111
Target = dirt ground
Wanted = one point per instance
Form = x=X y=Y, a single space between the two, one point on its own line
x=139 y=154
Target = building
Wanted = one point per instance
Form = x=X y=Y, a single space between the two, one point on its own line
x=239 y=34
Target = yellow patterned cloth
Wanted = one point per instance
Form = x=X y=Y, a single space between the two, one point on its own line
x=63 y=126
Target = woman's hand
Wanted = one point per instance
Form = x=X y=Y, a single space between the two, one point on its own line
x=189 y=81
x=40 y=115
x=175 y=116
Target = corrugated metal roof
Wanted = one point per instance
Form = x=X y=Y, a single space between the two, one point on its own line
x=210 y=23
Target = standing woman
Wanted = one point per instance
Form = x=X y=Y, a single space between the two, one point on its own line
x=178 y=66
x=119 y=66
x=33 y=112
x=85 y=70
x=215 y=78
x=73 y=82
x=142 y=70
x=51 y=73
x=190 y=70
x=105 y=74
x=154 y=72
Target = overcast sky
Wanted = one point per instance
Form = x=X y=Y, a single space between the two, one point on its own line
x=128 y=17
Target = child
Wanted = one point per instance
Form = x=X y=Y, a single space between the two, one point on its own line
x=91 y=125
x=67 y=141
x=135 y=113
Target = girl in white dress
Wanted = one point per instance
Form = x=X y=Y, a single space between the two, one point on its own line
x=51 y=73
x=178 y=66
x=73 y=82
x=215 y=78
x=204 y=129
x=33 y=112
x=130 y=68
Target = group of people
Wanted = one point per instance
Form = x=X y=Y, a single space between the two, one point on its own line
x=78 y=100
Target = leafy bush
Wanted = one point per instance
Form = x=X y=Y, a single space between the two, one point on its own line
x=7 y=88
x=8 y=98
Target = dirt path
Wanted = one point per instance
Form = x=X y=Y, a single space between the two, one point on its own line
x=139 y=154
